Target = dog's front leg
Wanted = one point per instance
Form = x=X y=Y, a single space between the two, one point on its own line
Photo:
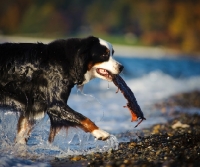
x=64 y=116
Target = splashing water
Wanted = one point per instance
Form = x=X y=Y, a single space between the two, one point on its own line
x=75 y=142
x=108 y=86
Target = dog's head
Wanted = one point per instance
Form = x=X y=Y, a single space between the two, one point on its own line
x=101 y=62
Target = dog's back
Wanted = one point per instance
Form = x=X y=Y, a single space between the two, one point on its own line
x=13 y=57
x=20 y=77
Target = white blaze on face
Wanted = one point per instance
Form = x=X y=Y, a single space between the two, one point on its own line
x=110 y=65
x=107 y=45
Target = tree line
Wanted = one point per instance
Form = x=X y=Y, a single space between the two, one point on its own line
x=149 y=22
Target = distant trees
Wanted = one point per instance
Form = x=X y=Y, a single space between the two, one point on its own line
x=150 y=22
x=11 y=14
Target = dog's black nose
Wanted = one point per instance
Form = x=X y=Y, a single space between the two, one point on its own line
x=121 y=67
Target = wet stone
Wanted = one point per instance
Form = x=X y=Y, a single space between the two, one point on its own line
x=76 y=158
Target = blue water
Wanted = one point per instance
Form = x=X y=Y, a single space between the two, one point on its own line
x=151 y=79
x=174 y=66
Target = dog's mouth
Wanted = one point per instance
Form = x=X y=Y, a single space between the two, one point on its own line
x=105 y=73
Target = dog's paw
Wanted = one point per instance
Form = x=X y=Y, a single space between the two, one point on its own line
x=20 y=140
x=100 y=134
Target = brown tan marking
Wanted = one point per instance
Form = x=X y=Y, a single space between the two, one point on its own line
x=91 y=64
x=88 y=126
x=24 y=128
x=108 y=51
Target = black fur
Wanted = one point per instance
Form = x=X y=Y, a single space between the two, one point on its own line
x=37 y=78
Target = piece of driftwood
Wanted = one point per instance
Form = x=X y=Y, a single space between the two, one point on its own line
x=132 y=105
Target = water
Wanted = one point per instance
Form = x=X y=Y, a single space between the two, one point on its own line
x=151 y=79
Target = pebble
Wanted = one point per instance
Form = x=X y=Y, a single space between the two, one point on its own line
x=76 y=158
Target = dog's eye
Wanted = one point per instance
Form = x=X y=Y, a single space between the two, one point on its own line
x=105 y=56
x=107 y=53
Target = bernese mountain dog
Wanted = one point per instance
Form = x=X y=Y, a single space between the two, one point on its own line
x=37 y=78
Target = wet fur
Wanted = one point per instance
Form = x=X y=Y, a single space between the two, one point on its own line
x=37 y=78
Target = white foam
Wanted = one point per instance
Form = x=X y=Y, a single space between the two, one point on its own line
x=157 y=85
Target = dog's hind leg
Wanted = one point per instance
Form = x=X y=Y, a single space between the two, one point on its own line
x=24 y=128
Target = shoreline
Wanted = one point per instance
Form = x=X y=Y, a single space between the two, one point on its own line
x=173 y=144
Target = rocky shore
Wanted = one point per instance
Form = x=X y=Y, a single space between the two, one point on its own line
x=176 y=143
